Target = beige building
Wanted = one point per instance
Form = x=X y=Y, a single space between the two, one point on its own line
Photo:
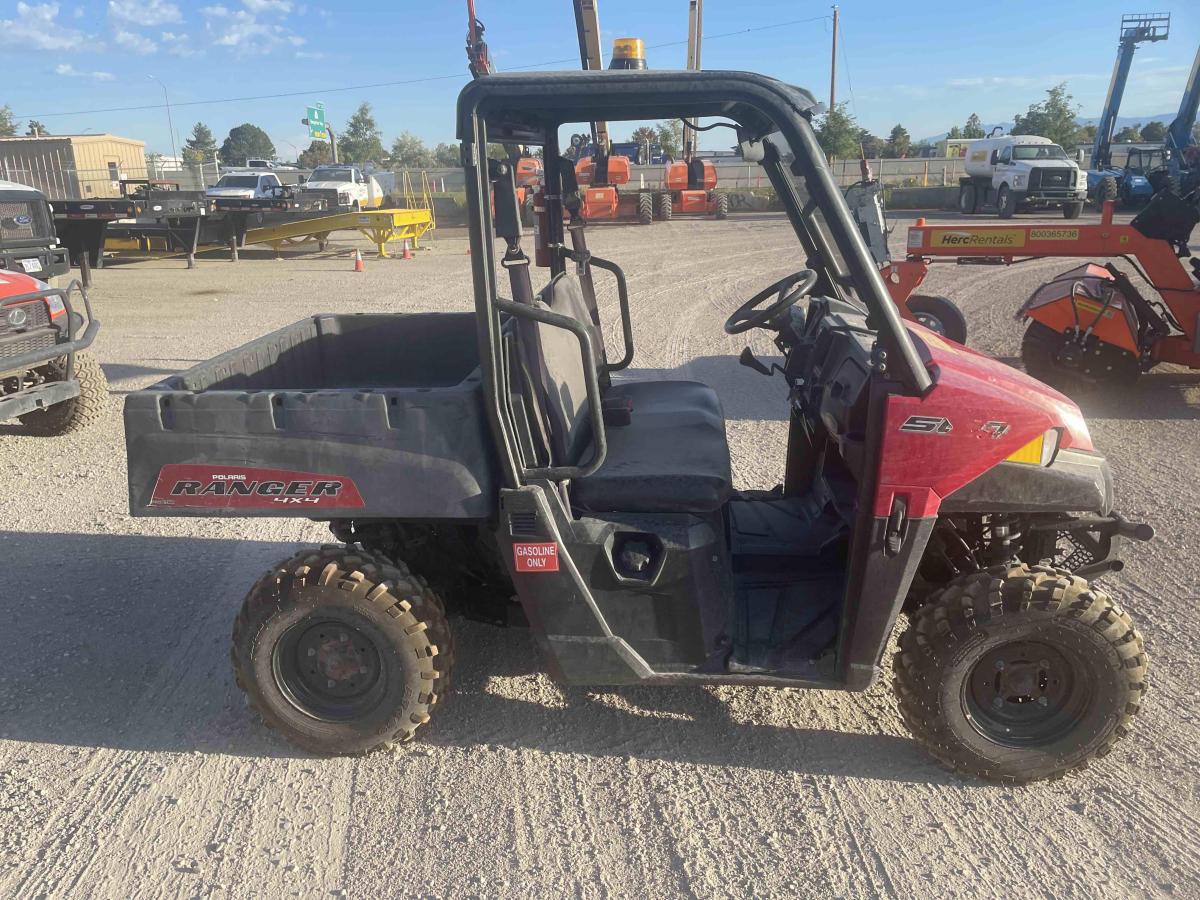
x=72 y=165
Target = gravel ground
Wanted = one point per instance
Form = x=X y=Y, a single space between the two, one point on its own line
x=129 y=766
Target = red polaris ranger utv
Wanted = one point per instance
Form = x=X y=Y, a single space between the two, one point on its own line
x=469 y=462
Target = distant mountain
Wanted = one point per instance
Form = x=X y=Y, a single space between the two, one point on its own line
x=1122 y=121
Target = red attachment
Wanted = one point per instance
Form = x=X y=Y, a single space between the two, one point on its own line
x=972 y=391
x=1077 y=299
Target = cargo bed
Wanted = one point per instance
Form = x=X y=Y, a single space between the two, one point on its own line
x=336 y=416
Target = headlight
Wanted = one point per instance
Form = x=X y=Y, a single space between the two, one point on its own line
x=1038 y=452
x=57 y=307
x=1018 y=180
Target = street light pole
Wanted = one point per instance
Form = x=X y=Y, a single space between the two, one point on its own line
x=170 y=124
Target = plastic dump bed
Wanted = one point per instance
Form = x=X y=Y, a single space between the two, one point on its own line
x=336 y=416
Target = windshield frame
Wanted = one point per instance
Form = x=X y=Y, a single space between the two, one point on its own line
x=328 y=171
x=1018 y=156
x=241 y=182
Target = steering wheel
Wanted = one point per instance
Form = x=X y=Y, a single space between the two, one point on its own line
x=788 y=290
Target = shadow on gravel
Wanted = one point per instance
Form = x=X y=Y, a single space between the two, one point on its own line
x=122 y=641
x=745 y=395
x=1155 y=395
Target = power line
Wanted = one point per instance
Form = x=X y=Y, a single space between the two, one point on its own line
x=384 y=84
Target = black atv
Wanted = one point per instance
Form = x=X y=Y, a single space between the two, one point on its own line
x=498 y=464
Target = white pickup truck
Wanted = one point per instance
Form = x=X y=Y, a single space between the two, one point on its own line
x=246 y=186
x=1021 y=172
x=356 y=189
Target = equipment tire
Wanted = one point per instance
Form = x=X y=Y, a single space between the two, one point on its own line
x=1006 y=204
x=78 y=412
x=939 y=314
x=1019 y=673
x=527 y=211
x=666 y=206
x=1039 y=353
x=1108 y=189
x=390 y=630
x=645 y=208
x=722 y=206
x=968 y=199
x=1072 y=210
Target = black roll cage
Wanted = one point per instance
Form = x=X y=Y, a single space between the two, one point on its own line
x=529 y=108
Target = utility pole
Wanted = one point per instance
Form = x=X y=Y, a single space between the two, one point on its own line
x=833 y=63
x=695 y=38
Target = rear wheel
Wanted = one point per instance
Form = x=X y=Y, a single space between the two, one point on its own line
x=342 y=652
x=1006 y=202
x=1108 y=189
x=1072 y=210
x=722 y=206
x=968 y=199
x=939 y=314
x=645 y=208
x=666 y=207
x=78 y=412
x=1057 y=360
x=1018 y=674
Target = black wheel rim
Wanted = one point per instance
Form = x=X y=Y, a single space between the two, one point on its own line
x=1026 y=693
x=328 y=669
x=932 y=322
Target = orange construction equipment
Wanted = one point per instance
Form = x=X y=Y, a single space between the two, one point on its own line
x=599 y=177
x=690 y=191
x=1090 y=323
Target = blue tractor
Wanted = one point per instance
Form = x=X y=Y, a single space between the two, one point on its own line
x=1130 y=186
x=1179 y=166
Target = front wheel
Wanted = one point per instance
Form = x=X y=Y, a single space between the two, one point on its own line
x=1072 y=210
x=78 y=412
x=722 y=204
x=1006 y=202
x=645 y=209
x=968 y=199
x=940 y=315
x=342 y=652
x=1019 y=674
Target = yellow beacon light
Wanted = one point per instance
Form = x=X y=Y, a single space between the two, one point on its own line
x=628 y=53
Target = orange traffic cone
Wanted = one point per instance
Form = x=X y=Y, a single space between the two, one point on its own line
x=359 y=265
x=407 y=252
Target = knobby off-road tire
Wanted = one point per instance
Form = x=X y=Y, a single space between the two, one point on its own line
x=645 y=209
x=342 y=652
x=1019 y=673
x=78 y=412
x=1107 y=190
x=666 y=207
x=722 y=204
x=939 y=314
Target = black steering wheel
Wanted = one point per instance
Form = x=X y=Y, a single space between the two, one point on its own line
x=788 y=290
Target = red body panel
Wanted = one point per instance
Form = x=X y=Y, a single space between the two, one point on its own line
x=14 y=284
x=971 y=391
x=692 y=202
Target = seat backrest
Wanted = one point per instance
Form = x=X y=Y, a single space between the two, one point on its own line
x=554 y=360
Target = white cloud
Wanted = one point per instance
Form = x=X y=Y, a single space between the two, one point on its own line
x=145 y=12
x=268 y=6
x=37 y=27
x=135 y=42
x=242 y=32
x=68 y=70
x=178 y=44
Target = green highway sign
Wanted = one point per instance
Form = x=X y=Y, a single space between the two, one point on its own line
x=316 y=123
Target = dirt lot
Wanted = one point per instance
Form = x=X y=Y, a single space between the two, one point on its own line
x=129 y=766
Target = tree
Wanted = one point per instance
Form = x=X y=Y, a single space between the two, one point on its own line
x=200 y=147
x=245 y=142
x=669 y=134
x=445 y=156
x=318 y=154
x=361 y=140
x=1086 y=135
x=1155 y=132
x=154 y=165
x=954 y=134
x=1053 y=118
x=37 y=129
x=410 y=152
x=974 y=128
x=8 y=125
x=1130 y=134
x=899 y=142
x=871 y=146
x=838 y=133
x=644 y=135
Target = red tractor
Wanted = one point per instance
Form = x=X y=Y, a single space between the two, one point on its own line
x=691 y=191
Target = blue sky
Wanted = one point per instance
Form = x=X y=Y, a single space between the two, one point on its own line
x=925 y=65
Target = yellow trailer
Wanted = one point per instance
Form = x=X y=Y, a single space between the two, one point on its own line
x=380 y=226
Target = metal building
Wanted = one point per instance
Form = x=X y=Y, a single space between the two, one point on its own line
x=72 y=165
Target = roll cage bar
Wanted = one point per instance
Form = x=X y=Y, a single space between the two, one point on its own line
x=529 y=108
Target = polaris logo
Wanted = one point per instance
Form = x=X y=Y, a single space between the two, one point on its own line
x=927 y=425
